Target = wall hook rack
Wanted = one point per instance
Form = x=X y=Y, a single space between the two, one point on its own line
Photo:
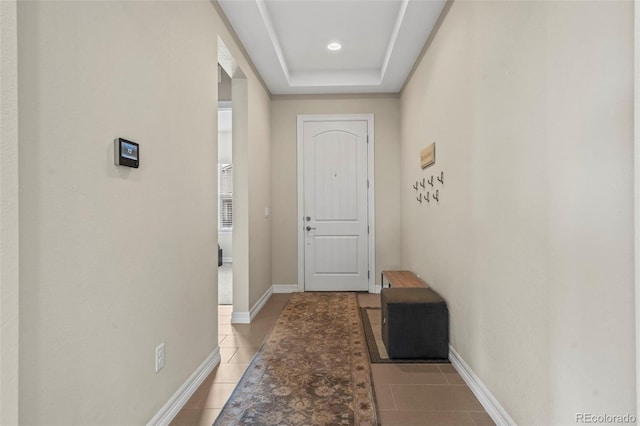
x=430 y=181
x=427 y=198
x=419 y=198
x=436 y=196
x=422 y=183
x=415 y=186
x=441 y=178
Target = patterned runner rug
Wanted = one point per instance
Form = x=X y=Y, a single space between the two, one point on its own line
x=312 y=369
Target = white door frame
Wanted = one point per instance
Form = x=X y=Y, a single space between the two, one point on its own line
x=370 y=192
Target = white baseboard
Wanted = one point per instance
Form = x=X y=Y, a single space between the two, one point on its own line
x=182 y=395
x=294 y=288
x=240 y=317
x=491 y=405
x=227 y=260
x=247 y=317
x=285 y=288
x=260 y=303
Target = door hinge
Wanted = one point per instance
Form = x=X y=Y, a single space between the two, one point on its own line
x=367 y=183
x=367 y=139
x=367 y=229
x=368 y=274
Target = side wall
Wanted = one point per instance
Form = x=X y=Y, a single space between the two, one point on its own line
x=114 y=261
x=259 y=194
x=284 y=112
x=531 y=108
x=9 y=219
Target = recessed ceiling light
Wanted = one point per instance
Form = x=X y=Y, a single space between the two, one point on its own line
x=334 y=46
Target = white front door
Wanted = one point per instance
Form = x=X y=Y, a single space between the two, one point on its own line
x=335 y=206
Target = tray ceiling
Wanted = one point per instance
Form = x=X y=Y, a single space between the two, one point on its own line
x=287 y=41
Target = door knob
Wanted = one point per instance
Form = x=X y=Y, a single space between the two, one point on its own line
x=309 y=228
x=308 y=218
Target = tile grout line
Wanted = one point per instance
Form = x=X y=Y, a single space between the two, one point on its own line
x=393 y=398
x=445 y=376
x=469 y=415
x=235 y=350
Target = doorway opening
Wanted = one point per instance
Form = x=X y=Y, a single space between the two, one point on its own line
x=225 y=190
x=234 y=106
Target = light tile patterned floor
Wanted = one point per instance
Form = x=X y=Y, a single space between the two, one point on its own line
x=238 y=344
x=406 y=394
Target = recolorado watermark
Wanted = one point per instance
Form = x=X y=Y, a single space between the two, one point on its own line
x=605 y=418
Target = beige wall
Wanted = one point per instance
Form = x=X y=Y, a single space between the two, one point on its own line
x=9 y=219
x=259 y=193
x=240 y=235
x=224 y=87
x=284 y=111
x=251 y=195
x=530 y=105
x=114 y=261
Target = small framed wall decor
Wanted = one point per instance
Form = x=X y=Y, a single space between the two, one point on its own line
x=428 y=156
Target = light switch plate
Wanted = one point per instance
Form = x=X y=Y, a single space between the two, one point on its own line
x=160 y=357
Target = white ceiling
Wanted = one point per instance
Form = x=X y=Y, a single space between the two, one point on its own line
x=287 y=41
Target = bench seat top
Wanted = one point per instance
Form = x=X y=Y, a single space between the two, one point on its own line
x=404 y=279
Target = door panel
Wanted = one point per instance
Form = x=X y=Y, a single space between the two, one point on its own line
x=335 y=182
x=336 y=254
x=335 y=201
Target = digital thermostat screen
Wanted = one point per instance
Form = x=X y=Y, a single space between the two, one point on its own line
x=127 y=153
x=129 y=150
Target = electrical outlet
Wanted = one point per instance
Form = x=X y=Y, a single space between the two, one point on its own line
x=160 y=357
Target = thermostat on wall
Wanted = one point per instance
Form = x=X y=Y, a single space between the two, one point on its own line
x=127 y=153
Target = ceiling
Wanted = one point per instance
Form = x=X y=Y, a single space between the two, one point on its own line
x=287 y=42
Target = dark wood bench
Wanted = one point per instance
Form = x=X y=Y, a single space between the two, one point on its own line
x=402 y=279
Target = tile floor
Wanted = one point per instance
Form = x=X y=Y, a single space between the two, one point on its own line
x=406 y=394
